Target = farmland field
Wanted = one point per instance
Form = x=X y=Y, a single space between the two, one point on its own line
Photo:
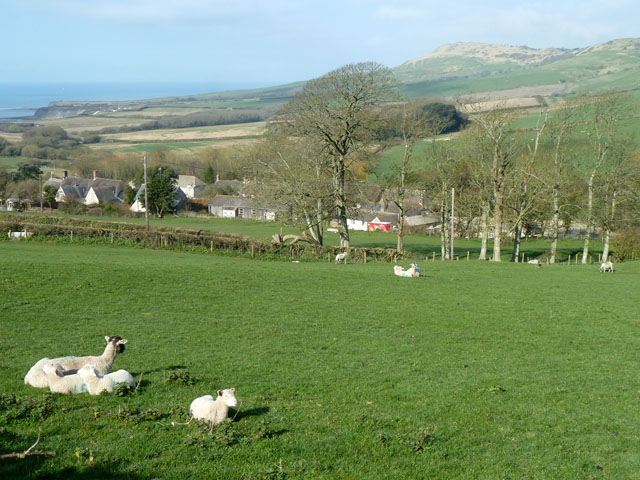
x=474 y=371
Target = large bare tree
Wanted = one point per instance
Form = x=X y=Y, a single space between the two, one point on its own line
x=336 y=111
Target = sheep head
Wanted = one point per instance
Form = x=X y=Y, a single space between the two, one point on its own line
x=117 y=342
x=228 y=396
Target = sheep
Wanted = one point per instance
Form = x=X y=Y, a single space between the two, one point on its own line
x=58 y=382
x=412 y=271
x=606 y=266
x=97 y=384
x=213 y=411
x=417 y=269
x=341 y=258
x=36 y=378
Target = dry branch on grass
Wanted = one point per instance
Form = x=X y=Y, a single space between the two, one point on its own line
x=29 y=452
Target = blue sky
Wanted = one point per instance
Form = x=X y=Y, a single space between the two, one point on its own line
x=271 y=42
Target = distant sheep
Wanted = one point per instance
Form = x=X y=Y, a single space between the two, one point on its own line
x=213 y=411
x=36 y=378
x=97 y=384
x=58 y=382
x=412 y=272
x=341 y=258
x=606 y=267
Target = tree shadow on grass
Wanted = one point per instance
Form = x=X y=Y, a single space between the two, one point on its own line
x=35 y=468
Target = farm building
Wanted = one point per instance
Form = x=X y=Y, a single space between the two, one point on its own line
x=232 y=206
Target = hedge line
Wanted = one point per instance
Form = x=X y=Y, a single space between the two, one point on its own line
x=56 y=228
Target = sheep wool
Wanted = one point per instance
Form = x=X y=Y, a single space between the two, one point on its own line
x=36 y=377
x=58 y=382
x=97 y=384
x=213 y=411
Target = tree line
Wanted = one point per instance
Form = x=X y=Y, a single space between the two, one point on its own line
x=576 y=165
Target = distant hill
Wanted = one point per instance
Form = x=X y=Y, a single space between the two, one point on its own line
x=526 y=75
x=511 y=71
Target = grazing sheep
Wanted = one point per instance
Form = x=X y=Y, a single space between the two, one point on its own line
x=341 y=257
x=412 y=271
x=213 y=411
x=97 y=384
x=606 y=267
x=36 y=378
x=58 y=382
x=535 y=261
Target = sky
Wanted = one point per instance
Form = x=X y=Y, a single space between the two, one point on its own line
x=272 y=42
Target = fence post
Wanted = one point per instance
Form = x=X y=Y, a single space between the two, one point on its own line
x=433 y=255
x=467 y=255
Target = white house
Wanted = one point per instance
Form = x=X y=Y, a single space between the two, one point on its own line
x=190 y=185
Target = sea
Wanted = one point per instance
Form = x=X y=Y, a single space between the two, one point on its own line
x=21 y=100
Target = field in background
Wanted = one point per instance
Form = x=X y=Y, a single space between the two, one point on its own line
x=476 y=370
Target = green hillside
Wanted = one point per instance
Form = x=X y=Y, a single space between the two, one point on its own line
x=461 y=69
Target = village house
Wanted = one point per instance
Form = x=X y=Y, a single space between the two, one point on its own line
x=190 y=185
x=233 y=206
x=96 y=191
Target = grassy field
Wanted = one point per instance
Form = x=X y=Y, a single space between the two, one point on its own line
x=474 y=371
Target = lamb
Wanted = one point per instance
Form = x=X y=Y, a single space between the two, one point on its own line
x=412 y=271
x=97 y=384
x=341 y=257
x=213 y=411
x=606 y=266
x=36 y=378
x=58 y=382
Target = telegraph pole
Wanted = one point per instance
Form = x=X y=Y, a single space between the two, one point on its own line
x=146 y=196
x=452 y=199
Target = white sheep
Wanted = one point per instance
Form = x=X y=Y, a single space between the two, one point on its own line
x=36 y=378
x=341 y=258
x=213 y=411
x=97 y=384
x=58 y=382
x=606 y=266
x=412 y=271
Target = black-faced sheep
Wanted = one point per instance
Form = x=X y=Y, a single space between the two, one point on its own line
x=213 y=411
x=36 y=378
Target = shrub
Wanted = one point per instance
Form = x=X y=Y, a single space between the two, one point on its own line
x=626 y=245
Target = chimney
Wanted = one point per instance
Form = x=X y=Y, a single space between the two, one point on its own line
x=95 y=174
x=65 y=174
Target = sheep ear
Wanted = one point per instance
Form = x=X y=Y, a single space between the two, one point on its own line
x=233 y=389
x=122 y=341
x=106 y=337
x=219 y=393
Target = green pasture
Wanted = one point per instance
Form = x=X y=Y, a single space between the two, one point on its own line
x=474 y=371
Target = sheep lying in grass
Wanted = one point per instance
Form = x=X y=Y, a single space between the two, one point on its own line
x=58 y=382
x=412 y=271
x=213 y=411
x=36 y=377
x=97 y=384
x=341 y=258
x=606 y=267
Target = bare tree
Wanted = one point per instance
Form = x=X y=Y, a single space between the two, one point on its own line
x=494 y=127
x=294 y=175
x=599 y=117
x=336 y=112
x=523 y=196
